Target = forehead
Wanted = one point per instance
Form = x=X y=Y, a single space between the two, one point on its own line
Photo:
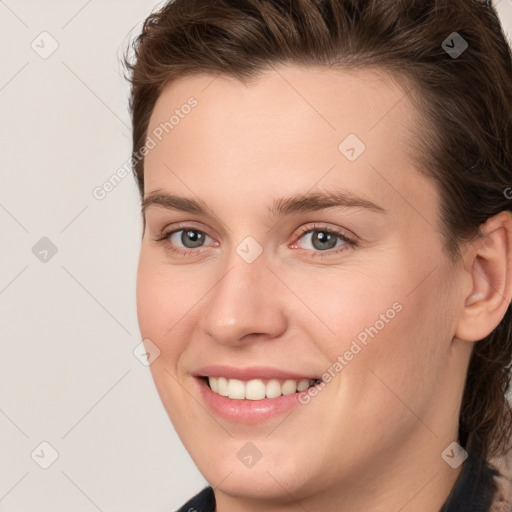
x=295 y=100
x=289 y=128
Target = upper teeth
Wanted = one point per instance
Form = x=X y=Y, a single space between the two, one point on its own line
x=257 y=389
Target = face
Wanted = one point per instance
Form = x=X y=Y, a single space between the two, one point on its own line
x=300 y=244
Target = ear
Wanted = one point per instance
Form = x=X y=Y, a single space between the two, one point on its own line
x=489 y=265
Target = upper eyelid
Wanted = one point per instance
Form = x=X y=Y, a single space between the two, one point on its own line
x=324 y=227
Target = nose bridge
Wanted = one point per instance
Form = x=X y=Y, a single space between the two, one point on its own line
x=243 y=301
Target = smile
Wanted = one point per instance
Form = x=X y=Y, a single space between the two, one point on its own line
x=257 y=389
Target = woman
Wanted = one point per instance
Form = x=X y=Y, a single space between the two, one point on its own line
x=326 y=262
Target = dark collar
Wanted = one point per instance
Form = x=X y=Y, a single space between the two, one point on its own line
x=202 y=502
x=475 y=489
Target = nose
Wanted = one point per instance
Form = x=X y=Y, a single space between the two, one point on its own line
x=244 y=305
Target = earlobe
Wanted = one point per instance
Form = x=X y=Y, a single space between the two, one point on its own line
x=490 y=268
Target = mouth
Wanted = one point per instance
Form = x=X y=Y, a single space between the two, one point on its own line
x=257 y=389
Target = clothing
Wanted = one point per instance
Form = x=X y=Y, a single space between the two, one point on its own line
x=202 y=502
x=479 y=488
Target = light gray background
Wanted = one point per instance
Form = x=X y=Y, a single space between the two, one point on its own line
x=68 y=325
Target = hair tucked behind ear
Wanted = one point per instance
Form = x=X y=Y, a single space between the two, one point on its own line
x=464 y=142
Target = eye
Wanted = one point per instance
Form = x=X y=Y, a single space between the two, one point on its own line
x=189 y=237
x=322 y=239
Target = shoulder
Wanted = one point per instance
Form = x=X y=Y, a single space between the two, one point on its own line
x=201 y=502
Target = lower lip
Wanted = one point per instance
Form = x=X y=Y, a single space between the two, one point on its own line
x=246 y=411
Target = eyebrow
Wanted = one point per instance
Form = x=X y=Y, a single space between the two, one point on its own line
x=301 y=203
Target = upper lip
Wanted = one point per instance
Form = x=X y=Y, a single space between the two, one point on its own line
x=249 y=373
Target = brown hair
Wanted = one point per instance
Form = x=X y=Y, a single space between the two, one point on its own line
x=464 y=142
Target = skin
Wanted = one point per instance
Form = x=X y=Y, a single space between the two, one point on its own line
x=372 y=439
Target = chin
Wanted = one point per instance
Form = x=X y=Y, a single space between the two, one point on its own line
x=267 y=478
x=254 y=485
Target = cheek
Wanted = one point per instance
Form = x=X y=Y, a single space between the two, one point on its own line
x=399 y=368
x=150 y=298
x=347 y=305
x=163 y=308
x=391 y=335
x=163 y=301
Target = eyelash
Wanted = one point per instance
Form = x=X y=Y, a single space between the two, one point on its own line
x=348 y=242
